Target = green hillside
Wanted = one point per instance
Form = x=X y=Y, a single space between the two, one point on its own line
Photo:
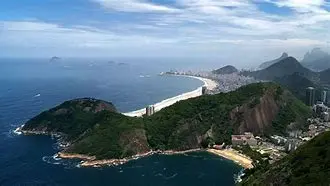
x=93 y=127
x=308 y=165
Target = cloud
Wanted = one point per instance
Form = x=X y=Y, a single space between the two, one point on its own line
x=194 y=27
x=302 y=6
x=135 y=6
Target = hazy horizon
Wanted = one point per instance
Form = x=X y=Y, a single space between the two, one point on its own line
x=243 y=33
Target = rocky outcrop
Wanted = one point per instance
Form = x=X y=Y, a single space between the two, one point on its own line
x=256 y=118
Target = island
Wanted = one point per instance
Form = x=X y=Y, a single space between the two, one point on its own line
x=54 y=59
x=95 y=132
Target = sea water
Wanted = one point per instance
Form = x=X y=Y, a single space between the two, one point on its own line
x=30 y=86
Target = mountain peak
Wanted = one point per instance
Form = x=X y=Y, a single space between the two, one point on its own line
x=316 y=59
x=269 y=63
x=286 y=66
x=284 y=55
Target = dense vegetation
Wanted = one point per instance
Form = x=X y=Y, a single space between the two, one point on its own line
x=93 y=127
x=72 y=117
x=308 y=165
x=293 y=111
x=180 y=125
x=297 y=84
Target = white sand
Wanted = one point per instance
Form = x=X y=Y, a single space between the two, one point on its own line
x=210 y=85
x=235 y=156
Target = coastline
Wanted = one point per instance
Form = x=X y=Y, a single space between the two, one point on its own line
x=91 y=161
x=234 y=156
x=208 y=83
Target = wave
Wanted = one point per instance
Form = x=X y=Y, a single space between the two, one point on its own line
x=37 y=95
x=171 y=177
x=144 y=76
x=55 y=160
x=238 y=176
x=18 y=131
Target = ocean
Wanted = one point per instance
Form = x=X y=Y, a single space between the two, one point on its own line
x=30 y=86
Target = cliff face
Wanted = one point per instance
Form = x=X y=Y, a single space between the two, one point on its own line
x=258 y=118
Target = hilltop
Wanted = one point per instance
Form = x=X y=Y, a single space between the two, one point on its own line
x=287 y=66
x=94 y=127
x=308 y=165
x=269 y=63
x=225 y=70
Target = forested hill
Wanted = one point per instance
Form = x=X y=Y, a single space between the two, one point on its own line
x=93 y=127
x=308 y=165
x=297 y=84
x=225 y=70
x=282 y=68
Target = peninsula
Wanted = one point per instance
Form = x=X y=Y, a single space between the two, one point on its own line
x=94 y=131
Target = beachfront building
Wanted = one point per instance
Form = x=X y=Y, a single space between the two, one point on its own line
x=150 y=110
x=246 y=139
x=204 y=89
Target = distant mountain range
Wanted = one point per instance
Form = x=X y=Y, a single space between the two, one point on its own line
x=225 y=70
x=284 y=67
x=269 y=63
x=316 y=60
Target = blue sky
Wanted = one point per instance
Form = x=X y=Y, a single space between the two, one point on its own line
x=255 y=29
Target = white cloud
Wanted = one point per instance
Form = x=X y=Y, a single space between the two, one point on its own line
x=302 y=5
x=199 y=27
x=135 y=6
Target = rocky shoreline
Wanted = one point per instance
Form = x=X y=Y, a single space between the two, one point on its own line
x=91 y=161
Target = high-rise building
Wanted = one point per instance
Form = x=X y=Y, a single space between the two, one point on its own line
x=324 y=96
x=310 y=96
x=150 y=110
x=204 y=88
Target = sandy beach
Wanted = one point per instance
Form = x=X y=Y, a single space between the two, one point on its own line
x=233 y=155
x=210 y=85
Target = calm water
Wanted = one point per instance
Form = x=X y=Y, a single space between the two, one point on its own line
x=31 y=86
